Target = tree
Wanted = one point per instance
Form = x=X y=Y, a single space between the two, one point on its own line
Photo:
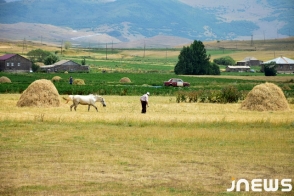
x=35 y=67
x=227 y=60
x=193 y=60
x=51 y=59
x=67 y=45
x=270 y=69
x=83 y=61
x=38 y=55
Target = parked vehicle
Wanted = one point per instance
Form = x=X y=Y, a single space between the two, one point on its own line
x=176 y=82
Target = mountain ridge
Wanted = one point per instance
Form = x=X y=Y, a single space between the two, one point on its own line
x=130 y=20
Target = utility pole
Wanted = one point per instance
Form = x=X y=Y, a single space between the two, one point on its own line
x=251 y=40
x=106 y=51
x=144 y=49
x=166 y=55
x=61 y=47
x=23 y=44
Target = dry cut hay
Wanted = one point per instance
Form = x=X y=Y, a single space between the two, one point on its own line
x=41 y=93
x=125 y=80
x=56 y=79
x=4 y=79
x=265 y=97
x=78 y=82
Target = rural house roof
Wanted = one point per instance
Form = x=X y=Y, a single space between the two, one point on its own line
x=281 y=60
x=249 y=58
x=238 y=67
x=6 y=56
x=58 y=63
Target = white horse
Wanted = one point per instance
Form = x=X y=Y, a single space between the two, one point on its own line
x=89 y=100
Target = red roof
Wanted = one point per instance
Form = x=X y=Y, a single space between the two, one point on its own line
x=6 y=56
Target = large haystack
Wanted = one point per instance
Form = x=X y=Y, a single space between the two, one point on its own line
x=41 y=93
x=265 y=97
x=125 y=80
x=4 y=79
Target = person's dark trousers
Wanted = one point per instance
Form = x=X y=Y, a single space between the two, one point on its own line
x=143 y=103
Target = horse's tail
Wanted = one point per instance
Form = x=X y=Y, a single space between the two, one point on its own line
x=67 y=99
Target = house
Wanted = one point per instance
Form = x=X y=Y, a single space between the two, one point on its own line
x=15 y=63
x=283 y=64
x=65 y=65
x=249 y=61
x=237 y=68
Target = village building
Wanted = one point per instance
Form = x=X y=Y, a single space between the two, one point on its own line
x=15 y=63
x=283 y=64
x=65 y=65
x=237 y=68
x=249 y=61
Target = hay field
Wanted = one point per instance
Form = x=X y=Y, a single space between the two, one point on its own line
x=174 y=149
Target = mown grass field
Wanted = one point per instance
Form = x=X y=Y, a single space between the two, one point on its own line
x=174 y=149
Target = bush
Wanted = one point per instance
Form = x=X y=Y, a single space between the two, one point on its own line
x=227 y=60
x=229 y=94
x=270 y=69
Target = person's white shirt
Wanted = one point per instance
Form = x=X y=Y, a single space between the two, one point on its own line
x=144 y=98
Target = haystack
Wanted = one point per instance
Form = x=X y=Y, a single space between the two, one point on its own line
x=56 y=79
x=78 y=82
x=4 y=79
x=41 y=93
x=125 y=80
x=265 y=97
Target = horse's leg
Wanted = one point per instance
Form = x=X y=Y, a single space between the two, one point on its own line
x=71 y=107
x=89 y=107
x=95 y=107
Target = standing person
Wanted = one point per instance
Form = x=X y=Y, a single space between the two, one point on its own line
x=144 y=102
x=70 y=80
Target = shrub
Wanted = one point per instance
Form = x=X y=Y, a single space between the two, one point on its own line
x=227 y=60
x=270 y=69
x=229 y=94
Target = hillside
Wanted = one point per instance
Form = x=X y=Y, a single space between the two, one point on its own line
x=130 y=20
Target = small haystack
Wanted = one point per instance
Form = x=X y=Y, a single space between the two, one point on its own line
x=56 y=79
x=78 y=82
x=41 y=93
x=125 y=80
x=264 y=97
x=4 y=79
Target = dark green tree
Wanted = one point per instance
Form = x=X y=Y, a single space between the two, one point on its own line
x=213 y=69
x=38 y=55
x=193 y=60
x=83 y=61
x=51 y=59
x=270 y=69
x=227 y=60
x=35 y=67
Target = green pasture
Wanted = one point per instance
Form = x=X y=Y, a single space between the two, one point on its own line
x=108 y=83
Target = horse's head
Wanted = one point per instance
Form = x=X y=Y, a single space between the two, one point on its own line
x=103 y=102
x=101 y=99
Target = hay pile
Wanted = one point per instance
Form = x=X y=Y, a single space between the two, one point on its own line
x=78 y=82
x=4 y=79
x=56 y=79
x=265 y=97
x=125 y=80
x=41 y=93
